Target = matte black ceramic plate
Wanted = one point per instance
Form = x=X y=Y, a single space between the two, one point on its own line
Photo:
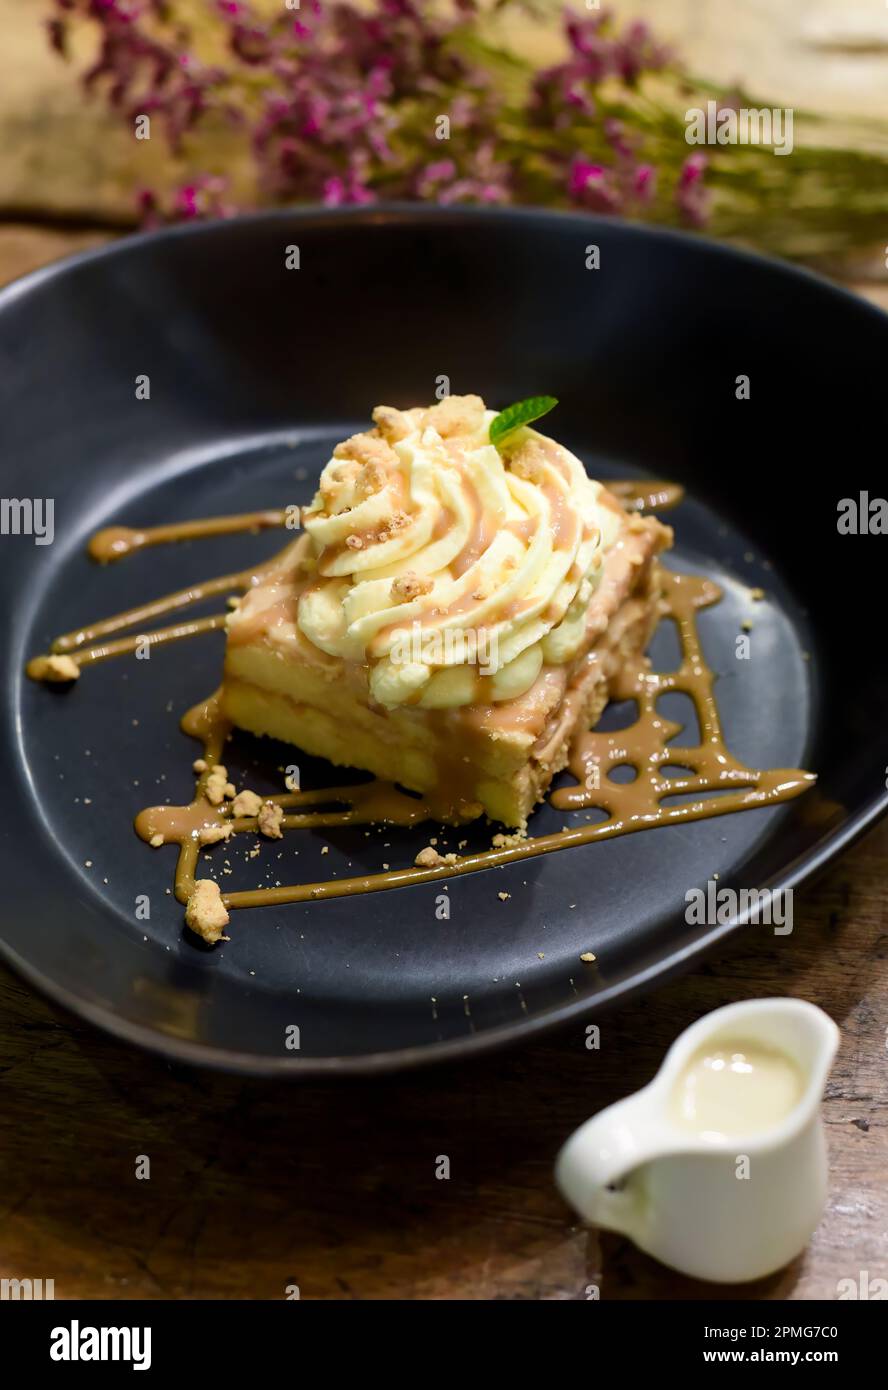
x=255 y=370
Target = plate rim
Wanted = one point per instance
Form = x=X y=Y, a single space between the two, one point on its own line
x=796 y=872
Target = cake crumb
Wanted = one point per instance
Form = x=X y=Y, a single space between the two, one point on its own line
x=270 y=817
x=212 y=834
x=325 y=849
x=354 y=542
x=156 y=841
x=56 y=669
x=756 y=595
x=393 y=424
x=504 y=897
x=409 y=586
x=529 y=462
x=508 y=841
x=398 y=521
x=217 y=782
x=588 y=957
x=246 y=803
x=429 y=858
x=455 y=415
x=205 y=911
x=366 y=448
x=371 y=479
x=199 y=765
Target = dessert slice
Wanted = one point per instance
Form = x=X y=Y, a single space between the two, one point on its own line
x=453 y=612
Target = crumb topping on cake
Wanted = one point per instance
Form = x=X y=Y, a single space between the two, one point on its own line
x=452 y=569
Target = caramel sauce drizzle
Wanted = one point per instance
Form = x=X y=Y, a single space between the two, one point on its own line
x=116 y=541
x=640 y=804
x=646 y=496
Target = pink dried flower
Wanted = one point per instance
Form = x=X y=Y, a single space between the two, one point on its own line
x=341 y=103
x=592 y=186
x=636 y=52
x=202 y=197
x=644 y=183
x=691 y=196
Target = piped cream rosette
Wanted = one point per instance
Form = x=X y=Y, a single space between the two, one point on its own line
x=454 y=572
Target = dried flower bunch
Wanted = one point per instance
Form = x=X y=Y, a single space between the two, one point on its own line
x=405 y=99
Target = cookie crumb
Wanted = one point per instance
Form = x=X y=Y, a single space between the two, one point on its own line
x=429 y=858
x=393 y=424
x=508 y=841
x=270 y=817
x=217 y=783
x=212 y=834
x=205 y=911
x=156 y=841
x=410 y=585
x=504 y=897
x=199 y=765
x=246 y=803
x=55 y=669
x=588 y=958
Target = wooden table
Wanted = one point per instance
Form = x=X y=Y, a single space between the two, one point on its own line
x=255 y=1186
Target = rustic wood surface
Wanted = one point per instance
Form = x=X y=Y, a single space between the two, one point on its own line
x=256 y=1186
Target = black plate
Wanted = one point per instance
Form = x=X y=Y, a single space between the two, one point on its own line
x=254 y=371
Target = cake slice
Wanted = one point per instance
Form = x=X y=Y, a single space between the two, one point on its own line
x=453 y=612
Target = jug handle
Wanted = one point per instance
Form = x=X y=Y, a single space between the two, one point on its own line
x=603 y=1151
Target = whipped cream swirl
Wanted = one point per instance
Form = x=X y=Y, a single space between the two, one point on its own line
x=454 y=571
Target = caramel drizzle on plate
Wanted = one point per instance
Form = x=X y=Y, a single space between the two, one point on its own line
x=640 y=804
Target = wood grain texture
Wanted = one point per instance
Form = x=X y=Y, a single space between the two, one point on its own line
x=257 y=1185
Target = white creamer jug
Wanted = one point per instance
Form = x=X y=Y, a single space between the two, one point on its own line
x=717 y=1167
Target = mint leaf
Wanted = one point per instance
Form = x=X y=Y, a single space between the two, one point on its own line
x=519 y=414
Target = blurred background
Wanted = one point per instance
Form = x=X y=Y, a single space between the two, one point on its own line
x=278 y=101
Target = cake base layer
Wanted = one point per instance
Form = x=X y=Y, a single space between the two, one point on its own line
x=497 y=760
